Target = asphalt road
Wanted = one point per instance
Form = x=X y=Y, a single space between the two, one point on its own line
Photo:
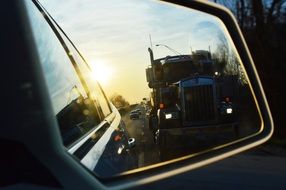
x=256 y=169
x=145 y=148
x=260 y=168
x=196 y=141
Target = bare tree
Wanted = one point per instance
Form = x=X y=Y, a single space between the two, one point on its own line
x=119 y=101
x=255 y=13
x=274 y=11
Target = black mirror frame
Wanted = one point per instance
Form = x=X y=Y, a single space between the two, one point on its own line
x=64 y=167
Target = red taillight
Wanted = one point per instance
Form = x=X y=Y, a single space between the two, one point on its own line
x=117 y=138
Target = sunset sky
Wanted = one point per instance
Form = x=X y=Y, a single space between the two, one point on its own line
x=113 y=36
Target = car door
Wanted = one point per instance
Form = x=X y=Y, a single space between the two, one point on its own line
x=90 y=126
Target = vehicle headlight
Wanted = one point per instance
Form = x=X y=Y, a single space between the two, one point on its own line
x=120 y=149
x=172 y=115
x=168 y=116
x=226 y=109
x=229 y=110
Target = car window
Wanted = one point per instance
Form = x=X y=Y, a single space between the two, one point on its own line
x=93 y=86
x=75 y=113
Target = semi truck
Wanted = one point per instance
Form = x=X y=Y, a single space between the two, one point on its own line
x=189 y=92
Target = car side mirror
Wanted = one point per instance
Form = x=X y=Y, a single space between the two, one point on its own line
x=204 y=97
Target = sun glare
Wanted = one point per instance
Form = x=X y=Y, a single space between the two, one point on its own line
x=101 y=71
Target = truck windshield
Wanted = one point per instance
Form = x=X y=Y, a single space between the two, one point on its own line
x=177 y=69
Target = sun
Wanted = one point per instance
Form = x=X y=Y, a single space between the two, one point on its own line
x=101 y=71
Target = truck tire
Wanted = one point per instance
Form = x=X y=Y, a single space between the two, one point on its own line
x=236 y=131
x=153 y=126
x=163 y=154
x=163 y=146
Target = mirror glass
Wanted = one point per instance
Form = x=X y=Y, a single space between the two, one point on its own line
x=173 y=74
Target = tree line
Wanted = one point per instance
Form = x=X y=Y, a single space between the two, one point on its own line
x=263 y=23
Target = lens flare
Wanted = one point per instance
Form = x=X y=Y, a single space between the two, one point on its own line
x=101 y=71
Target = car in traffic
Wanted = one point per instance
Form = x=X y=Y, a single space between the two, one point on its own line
x=134 y=115
x=138 y=111
x=148 y=112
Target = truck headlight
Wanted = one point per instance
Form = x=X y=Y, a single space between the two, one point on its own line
x=168 y=116
x=226 y=108
x=229 y=110
x=172 y=115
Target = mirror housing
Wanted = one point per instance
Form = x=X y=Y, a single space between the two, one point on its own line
x=55 y=154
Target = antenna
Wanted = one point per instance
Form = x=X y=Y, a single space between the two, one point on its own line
x=190 y=44
x=151 y=41
x=210 y=54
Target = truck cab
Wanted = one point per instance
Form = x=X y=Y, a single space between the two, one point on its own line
x=189 y=92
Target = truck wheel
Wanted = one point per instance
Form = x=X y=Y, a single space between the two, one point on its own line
x=153 y=126
x=236 y=131
x=163 y=146
x=163 y=154
x=153 y=123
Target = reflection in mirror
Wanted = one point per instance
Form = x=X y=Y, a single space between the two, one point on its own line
x=173 y=74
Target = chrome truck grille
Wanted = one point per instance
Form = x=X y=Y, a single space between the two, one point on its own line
x=199 y=104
